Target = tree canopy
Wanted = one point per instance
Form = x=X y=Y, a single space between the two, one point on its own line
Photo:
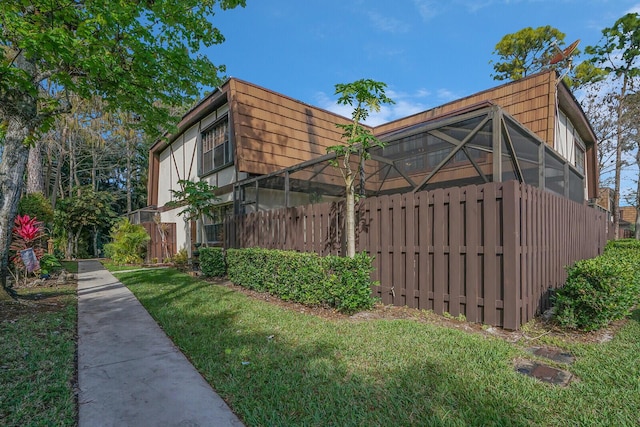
x=138 y=57
x=617 y=61
x=525 y=52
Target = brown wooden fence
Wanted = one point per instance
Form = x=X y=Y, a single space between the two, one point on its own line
x=491 y=253
x=154 y=247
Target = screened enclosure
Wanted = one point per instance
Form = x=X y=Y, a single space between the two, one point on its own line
x=480 y=145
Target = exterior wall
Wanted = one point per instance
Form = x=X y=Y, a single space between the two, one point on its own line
x=531 y=101
x=269 y=132
x=273 y=131
x=181 y=227
x=628 y=214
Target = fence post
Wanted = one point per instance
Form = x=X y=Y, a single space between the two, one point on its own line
x=511 y=255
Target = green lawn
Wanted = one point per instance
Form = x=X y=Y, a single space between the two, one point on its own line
x=37 y=358
x=113 y=267
x=280 y=367
x=70 y=266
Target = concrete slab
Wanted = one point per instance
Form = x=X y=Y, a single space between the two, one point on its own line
x=129 y=372
x=552 y=353
x=544 y=372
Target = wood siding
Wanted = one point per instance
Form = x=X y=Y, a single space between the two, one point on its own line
x=273 y=131
x=492 y=253
x=154 y=247
x=531 y=101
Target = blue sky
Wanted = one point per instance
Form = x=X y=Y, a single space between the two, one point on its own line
x=428 y=52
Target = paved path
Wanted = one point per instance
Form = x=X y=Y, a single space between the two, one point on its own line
x=129 y=372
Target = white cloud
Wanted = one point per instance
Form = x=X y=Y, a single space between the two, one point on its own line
x=445 y=95
x=476 y=5
x=405 y=105
x=388 y=24
x=634 y=9
x=426 y=8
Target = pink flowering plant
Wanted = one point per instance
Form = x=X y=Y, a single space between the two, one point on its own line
x=27 y=233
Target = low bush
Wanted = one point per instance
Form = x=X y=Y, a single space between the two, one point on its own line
x=181 y=259
x=600 y=290
x=212 y=262
x=49 y=264
x=307 y=278
x=622 y=244
x=129 y=243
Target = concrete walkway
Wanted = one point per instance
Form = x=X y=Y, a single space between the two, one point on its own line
x=129 y=372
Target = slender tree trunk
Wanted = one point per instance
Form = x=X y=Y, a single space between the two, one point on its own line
x=69 y=254
x=128 y=176
x=350 y=218
x=56 y=187
x=619 y=147
x=35 y=177
x=12 y=168
x=94 y=167
x=616 y=188
x=636 y=233
x=48 y=173
x=95 y=241
x=76 y=239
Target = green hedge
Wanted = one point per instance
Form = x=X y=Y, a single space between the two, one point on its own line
x=622 y=244
x=307 y=278
x=600 y=290
x=212 y=262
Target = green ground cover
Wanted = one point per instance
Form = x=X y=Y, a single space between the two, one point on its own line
x=277 y=366
x=37 y=357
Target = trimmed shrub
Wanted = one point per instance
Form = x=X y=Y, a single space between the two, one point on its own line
x=600 y=290
x=212 y=262
x=349 y=282
x=622 y=244
x=307 y=278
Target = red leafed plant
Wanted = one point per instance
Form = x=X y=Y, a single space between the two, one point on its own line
x=27 y=233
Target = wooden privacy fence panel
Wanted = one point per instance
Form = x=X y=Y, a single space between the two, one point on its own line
x=313 y=228
x=154 y=247
x=491 y=252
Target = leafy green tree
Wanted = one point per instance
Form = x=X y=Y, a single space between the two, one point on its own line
x=137 y=56
x=364 y=95
x=87 y=210
x=526 y=52
x=36 y=205
x=197 y=200
x=618 y=56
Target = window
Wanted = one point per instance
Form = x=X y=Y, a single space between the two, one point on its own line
x=216 y=146
x=214 y=226
x=579 y=163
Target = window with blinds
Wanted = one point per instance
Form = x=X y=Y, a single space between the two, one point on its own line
x=216 y=147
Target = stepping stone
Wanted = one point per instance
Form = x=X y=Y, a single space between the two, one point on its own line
x=554 y=354
x=544 y=373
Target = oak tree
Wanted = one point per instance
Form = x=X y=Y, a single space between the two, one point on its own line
x=137 y=56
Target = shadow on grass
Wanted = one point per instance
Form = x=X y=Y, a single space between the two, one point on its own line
x=635 y=315
x=178 y=285
x=38 y=296
x=279 y=382
x=273 y=376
